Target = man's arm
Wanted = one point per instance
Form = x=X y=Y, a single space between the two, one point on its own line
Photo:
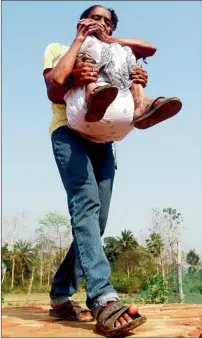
x=55 y=92
x=139 y=47
x=56 y=77
x=82 y=74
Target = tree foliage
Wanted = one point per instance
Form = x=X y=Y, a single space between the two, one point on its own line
x=193 y=258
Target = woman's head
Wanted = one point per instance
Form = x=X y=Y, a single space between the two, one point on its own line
x=106 y=16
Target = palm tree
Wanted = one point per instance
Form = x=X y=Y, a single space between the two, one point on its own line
x=155 y=246
x=127 y=241
x=22 y=255
x=126 y=244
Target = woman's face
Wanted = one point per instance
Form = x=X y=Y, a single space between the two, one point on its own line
x=103 y=16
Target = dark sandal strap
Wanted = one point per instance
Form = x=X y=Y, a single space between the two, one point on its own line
x=100 y=87
x=153 y=103
x=110 y=322
x=68 y=307
x=149 y=108
x=106 y=319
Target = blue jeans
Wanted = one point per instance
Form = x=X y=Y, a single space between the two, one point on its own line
x=87 y=172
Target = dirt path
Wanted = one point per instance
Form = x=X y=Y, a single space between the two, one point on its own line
x=177 y=321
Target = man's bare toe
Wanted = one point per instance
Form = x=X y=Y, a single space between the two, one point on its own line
x=122 y=321
x=117 y=323
x=132 y=310
x=127 y=318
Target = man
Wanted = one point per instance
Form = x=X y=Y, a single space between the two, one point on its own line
x=87 y=172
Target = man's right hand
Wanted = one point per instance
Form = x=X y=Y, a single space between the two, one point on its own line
x=83 y=72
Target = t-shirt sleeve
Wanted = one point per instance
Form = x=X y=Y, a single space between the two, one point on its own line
x=50 y=54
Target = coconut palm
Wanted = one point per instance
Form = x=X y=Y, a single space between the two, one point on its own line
x=155 y=246
x=22 y=256
x=127 y=241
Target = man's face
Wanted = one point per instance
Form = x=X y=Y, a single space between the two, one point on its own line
x=103 y=16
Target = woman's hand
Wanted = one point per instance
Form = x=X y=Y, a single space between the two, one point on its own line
x=87 y=27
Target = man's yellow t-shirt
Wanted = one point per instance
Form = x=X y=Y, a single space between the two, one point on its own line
x=52 y=55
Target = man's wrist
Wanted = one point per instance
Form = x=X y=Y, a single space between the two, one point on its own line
x=112 y=40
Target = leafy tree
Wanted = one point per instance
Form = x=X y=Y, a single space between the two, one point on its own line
x=193 y=258
x=126 y=242
x=57 y=228
x=22 y=255
x=46 y=250
x=111 y=249
x=126 y=261
x=5 y=256
x=155 y=246
x=53 y=240
x=168 y=222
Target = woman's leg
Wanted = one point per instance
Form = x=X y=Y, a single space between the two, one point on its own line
x=149 y=112
x=140 y=99
x=98 y=98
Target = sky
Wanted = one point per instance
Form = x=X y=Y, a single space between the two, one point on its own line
x=159 y=167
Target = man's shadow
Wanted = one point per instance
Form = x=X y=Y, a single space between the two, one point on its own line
x=41 y=314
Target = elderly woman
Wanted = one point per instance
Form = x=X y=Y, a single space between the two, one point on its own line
x=87 y=171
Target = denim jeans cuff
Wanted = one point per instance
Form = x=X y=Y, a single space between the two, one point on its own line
x=59 y=300
x=102 y=301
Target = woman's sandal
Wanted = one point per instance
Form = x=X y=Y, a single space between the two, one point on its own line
x=106 y=320
x=71 y=311
x=157 y=113
x=100 y=100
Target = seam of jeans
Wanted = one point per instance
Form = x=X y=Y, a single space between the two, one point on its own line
x=60 y=163
x=83 y=266
x=79 y=251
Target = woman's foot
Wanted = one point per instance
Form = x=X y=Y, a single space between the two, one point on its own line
x=141 y=107
x=99 y=101
x=152 y=112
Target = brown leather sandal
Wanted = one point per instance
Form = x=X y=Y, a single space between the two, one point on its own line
x=71 y=311
x=106 y=320
x=157 y=113
x=100 y=100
